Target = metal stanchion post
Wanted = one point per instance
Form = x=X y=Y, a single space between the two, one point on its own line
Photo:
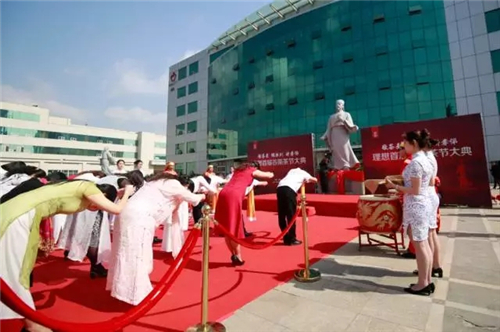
x=251 y=206
x=205 y=325
x=307 y=274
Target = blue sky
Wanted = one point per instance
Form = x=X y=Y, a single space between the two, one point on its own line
x=105 y=63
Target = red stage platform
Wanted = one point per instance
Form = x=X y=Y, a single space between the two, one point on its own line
x=330 y=205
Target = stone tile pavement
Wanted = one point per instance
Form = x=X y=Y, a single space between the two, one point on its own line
x=362 y=291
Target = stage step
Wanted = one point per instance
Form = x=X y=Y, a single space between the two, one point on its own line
x=330 y=205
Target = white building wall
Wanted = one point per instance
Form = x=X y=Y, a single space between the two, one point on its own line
x=200 y=136
x=475 y=83
x=145 y=148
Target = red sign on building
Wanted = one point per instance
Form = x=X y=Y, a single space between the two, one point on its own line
x=279 y=155
x=461 y=157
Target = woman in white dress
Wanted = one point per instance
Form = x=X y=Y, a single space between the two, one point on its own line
x=416 y=208
x=173 y=233
x=20 y=219
x=199 y=185
x=87 y=233
x=132 y=248
x=436 y=270
x=15 y=176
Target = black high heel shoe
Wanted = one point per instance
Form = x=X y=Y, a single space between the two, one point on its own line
x=426 y=291
x=436 y=273
x=432 y=287
x=98 y=271
x=236 y=261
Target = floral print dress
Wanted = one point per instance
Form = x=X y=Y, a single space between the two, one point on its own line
x=416 y=208
x=431 y=190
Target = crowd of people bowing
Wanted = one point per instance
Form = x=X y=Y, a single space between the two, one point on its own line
x=83 y=210
x=41 y=212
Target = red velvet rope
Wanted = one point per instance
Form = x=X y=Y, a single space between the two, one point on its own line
x=10 y=299
x=259 y=246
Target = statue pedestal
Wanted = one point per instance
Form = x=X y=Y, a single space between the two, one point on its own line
x=346 y=182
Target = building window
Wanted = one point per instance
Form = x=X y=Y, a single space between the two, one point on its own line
x=62 y=151
x=345 y=28
x=316 y=34
x=318 y=64
x=182 y=73
x=160 y=157
x=378 y=19
x=11 y=131
x=193 y=68
x=19 y=115
x=193 y=88
x=181 y=110
x=269 y=78
x=415 y=10
x=191 y=168
x=492 y=20
x=160 y=145
x=193 y=107
x=192 y=127
x=498 y=102
x=319 y=96
x=495 y=61
x=191 y=147
x=180 y=129
x=179 y=148
x=348 y=57
x=270 y=107
x=179 y=168
x=181 y=92
x=251 y=85
x=349 y=90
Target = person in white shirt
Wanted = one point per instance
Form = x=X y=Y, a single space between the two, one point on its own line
x=198 y=185
x=286 y=193
x=255 y=183
x=107 y=159
x=230 y=175
x=138 y=166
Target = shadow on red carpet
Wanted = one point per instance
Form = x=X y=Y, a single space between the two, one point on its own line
x=64 y=290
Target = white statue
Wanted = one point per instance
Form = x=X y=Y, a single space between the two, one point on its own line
x=340 y=126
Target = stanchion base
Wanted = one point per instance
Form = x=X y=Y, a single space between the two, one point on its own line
x=209 y=327
x=312 y=276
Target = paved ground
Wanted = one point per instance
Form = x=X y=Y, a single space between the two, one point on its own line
x=362 y=291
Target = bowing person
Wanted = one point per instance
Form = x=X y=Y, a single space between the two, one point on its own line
x=286 y=193
x=199 y=185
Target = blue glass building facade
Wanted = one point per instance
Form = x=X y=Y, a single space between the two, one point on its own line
x=389 y=60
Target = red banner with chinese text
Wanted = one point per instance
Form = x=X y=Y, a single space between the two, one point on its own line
x=279 y=155
x=460 y=154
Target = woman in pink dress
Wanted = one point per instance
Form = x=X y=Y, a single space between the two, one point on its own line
x=132 y=248
x=229 y=211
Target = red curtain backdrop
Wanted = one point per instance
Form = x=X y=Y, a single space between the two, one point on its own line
x=279 y=155
x=460 y=153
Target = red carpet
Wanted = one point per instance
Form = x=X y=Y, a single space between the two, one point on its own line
x=344 y=206
x=63 y=289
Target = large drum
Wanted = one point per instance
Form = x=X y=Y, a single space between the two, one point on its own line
x=379 y=214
